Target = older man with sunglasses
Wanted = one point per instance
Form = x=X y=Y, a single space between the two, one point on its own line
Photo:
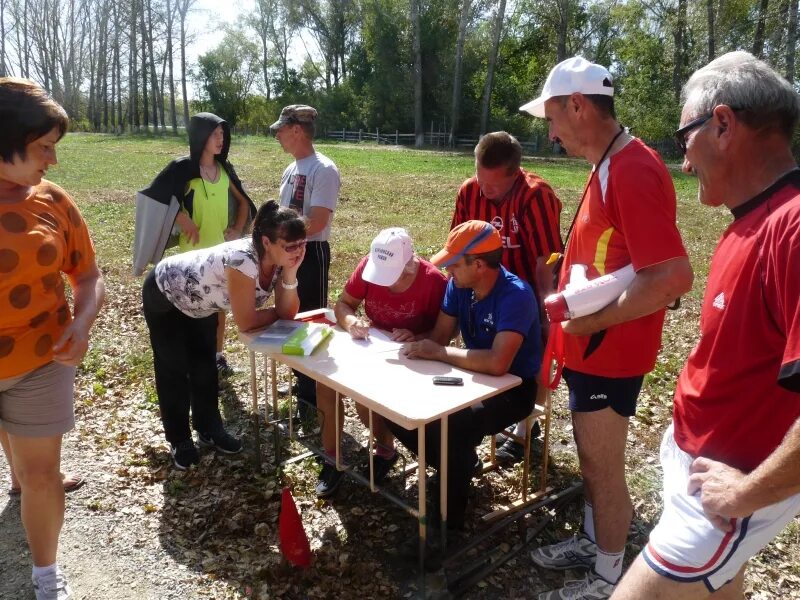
x=627 y=216
x=498 y=318
x=731 y=481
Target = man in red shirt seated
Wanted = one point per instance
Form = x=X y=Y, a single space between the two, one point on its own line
x=401 y=294
x=730 y=458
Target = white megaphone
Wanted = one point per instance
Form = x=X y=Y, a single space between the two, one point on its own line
x=583 y=297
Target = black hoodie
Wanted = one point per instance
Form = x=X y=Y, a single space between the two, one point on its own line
x=173 y=180
x=155 y=208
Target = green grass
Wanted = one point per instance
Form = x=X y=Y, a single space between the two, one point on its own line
x=381 y=187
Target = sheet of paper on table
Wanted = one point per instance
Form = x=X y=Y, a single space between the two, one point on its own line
x=378 y=341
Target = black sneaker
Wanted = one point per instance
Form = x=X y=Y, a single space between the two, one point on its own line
x=184 y=454
x=382 y=467
x=222 y=441
x=223 y=368
x=510 y=452
x=501 y=437
x=329 y=480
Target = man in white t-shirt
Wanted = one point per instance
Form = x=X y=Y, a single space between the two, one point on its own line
x=310 y=185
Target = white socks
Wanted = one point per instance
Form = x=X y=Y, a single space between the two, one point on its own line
x=609 y=565
x=588 y=521
x=39 y=571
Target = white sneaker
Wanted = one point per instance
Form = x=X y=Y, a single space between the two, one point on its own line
x=577 y=552
x=52 y=586
x=592 y=587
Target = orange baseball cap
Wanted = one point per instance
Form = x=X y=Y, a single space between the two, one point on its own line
x=471 y=237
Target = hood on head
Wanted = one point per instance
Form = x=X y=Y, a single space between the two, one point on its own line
x=201 y=126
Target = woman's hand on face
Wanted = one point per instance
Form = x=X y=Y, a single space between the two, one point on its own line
x=292 y=270
x=72 y=345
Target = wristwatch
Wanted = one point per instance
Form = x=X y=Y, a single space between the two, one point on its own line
x=289 y=286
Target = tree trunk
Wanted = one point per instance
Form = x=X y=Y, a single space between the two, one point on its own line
x=26 y=69
x=158 y=97
x=170 y=59
x=145 y=109
x=133 y=74
x=459 y=62
x=680 y=50
x=712 y=52
x=563 y=30
x=91 y=112
x=761 y=25
x=3 y=71
x=486 y=102
x=183 y=9
x=791 y=40
x=419 y=133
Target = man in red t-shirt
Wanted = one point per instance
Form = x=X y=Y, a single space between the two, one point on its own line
x=627 y=216
x=731 y=480
x=402 y=294
x=526 y=212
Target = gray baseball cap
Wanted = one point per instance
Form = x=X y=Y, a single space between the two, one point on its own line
x=294 y=114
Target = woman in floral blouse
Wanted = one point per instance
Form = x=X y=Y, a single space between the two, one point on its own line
x=182 y=297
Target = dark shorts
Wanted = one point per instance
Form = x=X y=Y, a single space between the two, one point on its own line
x=589 y=393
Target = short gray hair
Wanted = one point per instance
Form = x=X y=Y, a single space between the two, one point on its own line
x=741 y=81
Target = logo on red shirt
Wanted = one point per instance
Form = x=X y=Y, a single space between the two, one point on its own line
x=719 y=301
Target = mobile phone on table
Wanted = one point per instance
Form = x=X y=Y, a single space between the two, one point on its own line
x=441 y=380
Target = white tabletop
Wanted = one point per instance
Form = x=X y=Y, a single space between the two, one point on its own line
x=377 y=376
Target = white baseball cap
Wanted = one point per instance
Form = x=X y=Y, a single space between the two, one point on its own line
x=388 y=255
x=573 y=75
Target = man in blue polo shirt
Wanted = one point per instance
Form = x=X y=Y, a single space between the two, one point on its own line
x=498 y=317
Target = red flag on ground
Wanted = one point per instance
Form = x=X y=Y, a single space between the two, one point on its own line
x=293 y=539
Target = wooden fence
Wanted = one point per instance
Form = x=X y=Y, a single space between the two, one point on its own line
x=436 y=139
x=440 y=139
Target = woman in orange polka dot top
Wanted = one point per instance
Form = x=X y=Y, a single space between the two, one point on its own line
x=42 y=238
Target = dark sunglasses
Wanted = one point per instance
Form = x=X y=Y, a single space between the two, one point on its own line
x=680 y=134
x=294 y=247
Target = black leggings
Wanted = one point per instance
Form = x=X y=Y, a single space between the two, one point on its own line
x=313 y=293
x=466 y=430
x=184 y=351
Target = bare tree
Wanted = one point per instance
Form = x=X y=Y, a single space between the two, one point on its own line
x=791 y=40
x=143 y=35
x=3 y=70
x=133 y=74
x=458 y=70
x=262 y=20
x=419 y=134
x=679 y=37
x=710 y=19
x=761 y=25
x=183 y=7
x=157 y=96
x=281 y=33
x=171 y=65
x=487 y=88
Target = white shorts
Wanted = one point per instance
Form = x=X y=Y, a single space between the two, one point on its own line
x=685 y=545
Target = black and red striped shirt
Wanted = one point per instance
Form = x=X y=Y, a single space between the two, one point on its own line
x=528 y=220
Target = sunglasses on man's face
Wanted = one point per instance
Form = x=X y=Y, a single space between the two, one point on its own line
x=294 y=246
x=680 y=134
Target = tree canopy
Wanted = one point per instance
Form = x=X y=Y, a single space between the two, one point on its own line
x=459 y=65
